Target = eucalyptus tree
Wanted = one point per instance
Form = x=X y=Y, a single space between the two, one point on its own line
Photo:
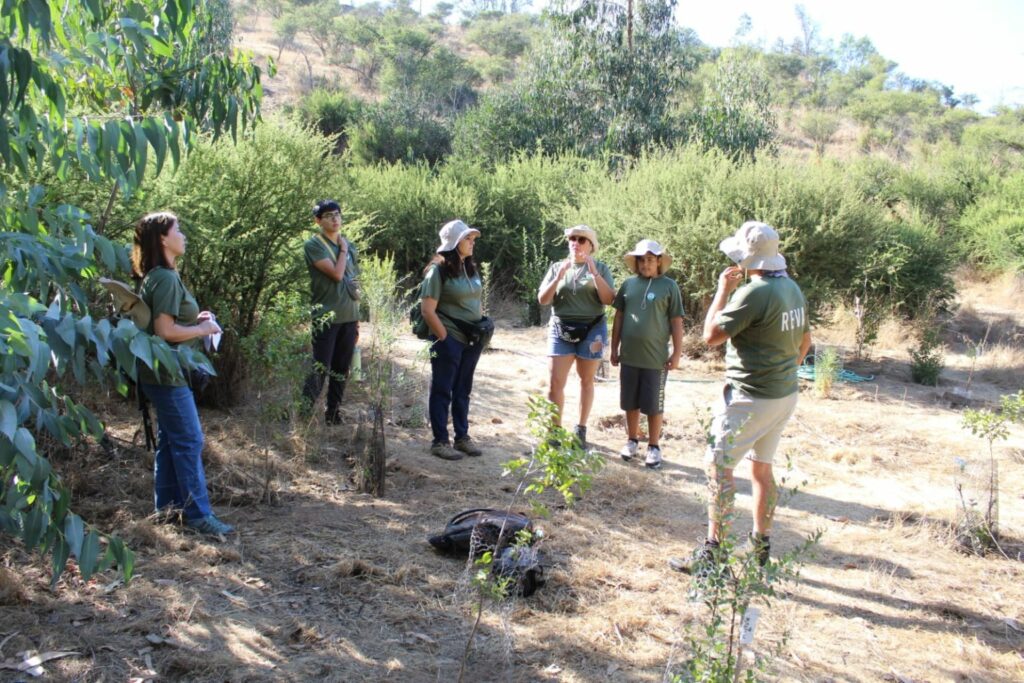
x=113 y=90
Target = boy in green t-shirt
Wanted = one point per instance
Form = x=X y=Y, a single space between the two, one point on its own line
x=334 y=301
x=648 y=311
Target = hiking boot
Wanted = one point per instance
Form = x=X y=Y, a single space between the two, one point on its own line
x=445 y=452
x=628 y=451
x=761 y=547
x=467 y=446
x=700 y=564
x=653 y=460
x=581 y=435
x=332 y=418
x=209 y=526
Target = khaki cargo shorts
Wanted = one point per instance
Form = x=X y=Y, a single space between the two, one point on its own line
x=745 y=426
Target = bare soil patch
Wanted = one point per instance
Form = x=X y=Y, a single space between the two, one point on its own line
x=325 y=583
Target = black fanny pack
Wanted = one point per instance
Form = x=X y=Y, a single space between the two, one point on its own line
x=478 y=333
x=574 y=333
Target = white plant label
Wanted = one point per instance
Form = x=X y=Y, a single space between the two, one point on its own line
x=748 y=625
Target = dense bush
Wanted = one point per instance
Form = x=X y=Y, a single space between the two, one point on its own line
x=995 y=225
x=837 y=244
x=245 y=210
x=331 y=112
x=396 y=130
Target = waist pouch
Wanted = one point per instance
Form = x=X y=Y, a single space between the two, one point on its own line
x=574 y=333
x=478 y=333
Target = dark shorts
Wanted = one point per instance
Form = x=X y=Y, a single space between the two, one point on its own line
x=642 y=389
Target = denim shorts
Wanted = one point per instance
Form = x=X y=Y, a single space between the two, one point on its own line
x=591 y=348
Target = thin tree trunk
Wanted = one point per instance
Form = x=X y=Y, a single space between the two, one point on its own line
x=371 y=469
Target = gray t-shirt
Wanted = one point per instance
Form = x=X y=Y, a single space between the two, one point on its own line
x=576 y=298
x=766 y=320
x=647 y=306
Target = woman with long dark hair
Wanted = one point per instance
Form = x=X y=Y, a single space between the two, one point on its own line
x=450 y=300
x=179 y=479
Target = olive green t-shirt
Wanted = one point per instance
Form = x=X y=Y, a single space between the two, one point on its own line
x=766 y=320
x=576 y=298
x=326 y=295
x=647 y=306
x=164 y=292
x=457 y=298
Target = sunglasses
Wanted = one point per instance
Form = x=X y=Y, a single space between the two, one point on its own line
x=577 y=238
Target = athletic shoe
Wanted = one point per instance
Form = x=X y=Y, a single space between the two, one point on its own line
x=445 y=452
x=761 y=547
x=467 y=446
x=653 y=460
x=210 y=526
x=628 y=451
x=581 y=435
x=700 y=564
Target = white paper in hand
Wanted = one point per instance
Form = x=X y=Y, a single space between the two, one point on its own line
x=212 y=342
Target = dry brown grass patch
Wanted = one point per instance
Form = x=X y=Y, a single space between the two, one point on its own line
x=12 y=588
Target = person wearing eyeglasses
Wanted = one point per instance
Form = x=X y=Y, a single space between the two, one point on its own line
x=334 y=301
x=577 y=288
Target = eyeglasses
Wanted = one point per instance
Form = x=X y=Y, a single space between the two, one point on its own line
x=577 y=238
x=331 y=215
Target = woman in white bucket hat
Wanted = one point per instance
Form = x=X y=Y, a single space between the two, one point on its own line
x=578 y=288
x=450 y=300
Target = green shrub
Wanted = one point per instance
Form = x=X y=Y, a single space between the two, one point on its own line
x=395 y=131
x=407 y=205
x=926 y=359
x=994 y=227
x=331 y=112
x=244 y=208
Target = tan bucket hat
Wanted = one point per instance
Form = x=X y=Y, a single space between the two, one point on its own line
x=755 y=246
x=583 y=231
x=644 y=247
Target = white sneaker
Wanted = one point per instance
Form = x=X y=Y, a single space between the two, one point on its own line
x=629 y=450
x=653 y=460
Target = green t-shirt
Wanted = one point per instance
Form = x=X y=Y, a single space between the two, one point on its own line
x=164 y=292
x=457 y=298
x=326 y=295
x=576 y=298
x=766 y=320
x=647 y=306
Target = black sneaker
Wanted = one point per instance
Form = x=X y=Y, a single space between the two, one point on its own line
x=700 y=564
x=581 y=435
x=761 y=547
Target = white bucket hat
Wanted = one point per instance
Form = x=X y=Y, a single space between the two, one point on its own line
x=644 y=247
x=452 y=233
x=755 y=246
x=583 y=231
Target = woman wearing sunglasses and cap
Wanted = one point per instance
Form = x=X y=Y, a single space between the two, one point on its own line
x=578 y=288
x=450 y=301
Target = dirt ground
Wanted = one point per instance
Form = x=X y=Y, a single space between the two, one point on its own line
x=323 y=582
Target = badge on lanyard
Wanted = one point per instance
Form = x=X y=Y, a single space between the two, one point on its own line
x=650 y=296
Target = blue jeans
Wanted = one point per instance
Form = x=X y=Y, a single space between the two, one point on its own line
x=179 y=480
x=452 y=365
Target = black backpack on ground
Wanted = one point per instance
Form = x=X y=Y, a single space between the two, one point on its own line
x=484 y=529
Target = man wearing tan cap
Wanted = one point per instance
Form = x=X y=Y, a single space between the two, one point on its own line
x=765 y=328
